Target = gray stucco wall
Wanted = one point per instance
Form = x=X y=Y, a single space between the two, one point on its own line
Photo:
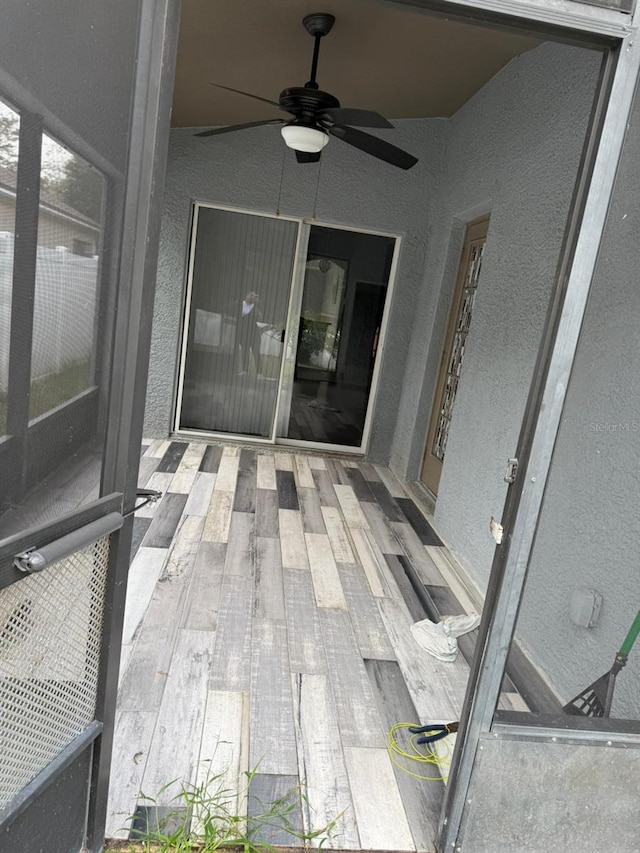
x=590 y=524
x=245 y=170
x=513 y=151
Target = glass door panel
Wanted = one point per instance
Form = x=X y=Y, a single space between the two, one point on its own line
x=343 y=299
x=240 y=281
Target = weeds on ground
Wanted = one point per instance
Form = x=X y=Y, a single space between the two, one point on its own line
x=206 y=817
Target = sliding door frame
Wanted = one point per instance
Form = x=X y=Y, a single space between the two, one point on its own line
x=290 y=343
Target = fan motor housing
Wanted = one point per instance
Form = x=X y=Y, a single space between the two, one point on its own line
x=303 y=101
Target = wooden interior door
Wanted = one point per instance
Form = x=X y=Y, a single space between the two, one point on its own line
x=453 y=352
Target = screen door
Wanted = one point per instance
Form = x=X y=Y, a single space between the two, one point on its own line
x=73 y=236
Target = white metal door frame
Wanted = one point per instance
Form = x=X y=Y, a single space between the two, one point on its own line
x=287 y=366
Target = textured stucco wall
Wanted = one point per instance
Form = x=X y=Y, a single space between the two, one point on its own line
x=513 y=151
x=244 y=170
x=589 y=531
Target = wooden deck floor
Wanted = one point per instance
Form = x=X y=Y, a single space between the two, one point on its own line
x=266 y=629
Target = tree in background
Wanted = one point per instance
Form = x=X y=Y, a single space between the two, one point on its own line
x=65 y=177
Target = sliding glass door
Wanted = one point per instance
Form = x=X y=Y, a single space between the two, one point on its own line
x=340 y=320
x=238 y=376
x=239 y=286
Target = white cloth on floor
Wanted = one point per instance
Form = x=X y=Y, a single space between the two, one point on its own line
x=439 y=638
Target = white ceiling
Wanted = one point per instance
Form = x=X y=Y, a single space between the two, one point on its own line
x=402 y=63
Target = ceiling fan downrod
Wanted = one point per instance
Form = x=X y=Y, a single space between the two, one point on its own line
x=317 y=25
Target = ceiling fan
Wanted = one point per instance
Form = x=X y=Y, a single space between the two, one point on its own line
x=317 y=115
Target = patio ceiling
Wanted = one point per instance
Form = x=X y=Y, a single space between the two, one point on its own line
x=402 y=63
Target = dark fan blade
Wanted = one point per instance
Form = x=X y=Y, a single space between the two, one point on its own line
x=359 y=118
x=248 y=94
x=307 y=156
x=231 y=127
x=374 y=146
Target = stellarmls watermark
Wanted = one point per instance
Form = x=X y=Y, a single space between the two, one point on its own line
x=620 y=426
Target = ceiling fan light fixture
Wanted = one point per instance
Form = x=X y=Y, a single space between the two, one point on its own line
x=301 y=137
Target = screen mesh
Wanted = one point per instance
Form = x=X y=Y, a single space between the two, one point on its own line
x=50 y=635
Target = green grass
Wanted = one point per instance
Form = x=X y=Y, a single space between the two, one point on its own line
x=204 y=819
x=52 y=390
x=56 y=388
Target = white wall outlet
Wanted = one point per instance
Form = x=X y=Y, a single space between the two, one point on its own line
x=584 y=608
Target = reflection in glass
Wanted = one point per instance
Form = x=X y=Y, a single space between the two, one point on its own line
x=69 y=229
x=240 y=288
x=55 y=367
x=345 y=287
x=9 y=138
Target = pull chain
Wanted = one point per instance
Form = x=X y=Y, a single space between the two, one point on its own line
x=284 y=154
x=315 y=200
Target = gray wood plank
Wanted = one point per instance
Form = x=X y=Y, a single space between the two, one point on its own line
x=200 y=494
x=267 y=513
x=268 y=588
x=172 y=457
x=143 y=575
x=287 y=492
x=382 y=822
x=292 y=543
x=338 y=535
x=416 y=519
x=131 y=742
x=241 y=547
x=284 y=462
x=312 y=520
x=266 y=472
x=140 y=528
x=165 y=521
x=358 y=716
x=383 y=534
x=391 y=482
x=176 y=740
x=369 y=472
x=321 y=761
x=372 y=561
x=228 y=470
x=202 y=605
x=273 y=747
x=146 y=676
x=211 y=459
x=324 y=572
x=224 y=750
x=368 y=626
x=148 y=465
x=302 y=471
x=396 y=566
x=231 y=668
x=218 y=518
x=325 y=488
x=157 y=448
x=350 y=506
x=281 y=795
x=359 y=485
x=422 y=800
x=245 y=496
x=423 y=564
x=336 y=472
x=306 y=649
x=386 y=502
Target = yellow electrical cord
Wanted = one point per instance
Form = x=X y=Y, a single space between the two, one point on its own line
x=395 y=748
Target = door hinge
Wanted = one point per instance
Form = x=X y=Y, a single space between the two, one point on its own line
x=511 y=471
